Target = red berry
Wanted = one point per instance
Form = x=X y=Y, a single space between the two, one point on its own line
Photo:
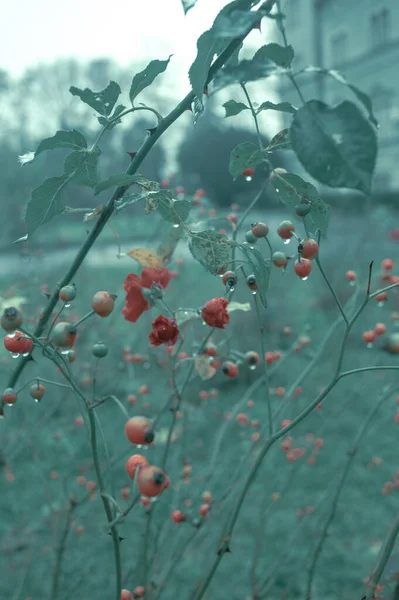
x=308 y=248
x=251 y=283
x=138 y=430
x=178 y=516
x=350 y=275
x=285 y=230
x=259 y=230
x=64 y=335
x=11 y=319
x=369 y=336
x=151 y=481
x=251 y=358
x=67 y=293
x=230 y=369
x=387 y=264
x=37 y=391
x=248 y=172
x=126 y=595
x=380 y=329
x=103 y=303
x=18 y=343
x=9 y=396
x=204 y=510
x=279 y=259
x=303 y=267
x=133 y=462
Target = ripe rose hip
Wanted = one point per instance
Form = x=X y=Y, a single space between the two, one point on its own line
x=230 y=369
x=11 y=319
x=9 y=396
x=137 y=460
x=248 y=172
x=350 y=275
x=251 y=358
x=138 y=430
x=285 y=230
x=138 y=591
x=308 y=248
x=380 y=329
x=387 y=264
x=103 y=303
x=18 y=343
x=303 y=267
x=249 y=236
x=369 y=336
x=259 y=230
x=67 y=293
x=279 y=259
x=126 y=595
x=178 y=516
x=37 y=391
x=204 y=510
x=230 y=279
x=64 y=334
x=151 y=481
x=392 y=345
x=251 y=283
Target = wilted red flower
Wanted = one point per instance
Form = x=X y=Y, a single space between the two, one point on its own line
x=215 y=313
x=164 y=331
x=136 y=303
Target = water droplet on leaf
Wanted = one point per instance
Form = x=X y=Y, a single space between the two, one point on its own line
x=248 y=178
x=287 y=241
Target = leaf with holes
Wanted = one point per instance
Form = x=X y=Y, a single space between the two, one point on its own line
x=243 y=156
x=120 y=179
x=337 y=146
x=103 y=102
x=145 y=78
x=281 y=107
x=175 y=211
x=234 y=108
x=62 y=139
x=147 y=258
x=82 y=167
x=281 y=141
x=293 y=190
x=261 y=268
x=211 y=249
x=46 y=203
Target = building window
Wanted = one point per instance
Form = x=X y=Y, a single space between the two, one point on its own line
x=380 y=28
x=339 y=48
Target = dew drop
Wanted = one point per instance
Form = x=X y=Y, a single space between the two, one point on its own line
x=304 y=278
x=11 y=335
x=232 y=289
x=248 y=178
x=67 y=304
x=65 y=351
x=203 y=322
x=369 y=345
x=286 y=241
x=254 y=292
x=352 y=283
x=15 y=354
x=277 y=190
x=176 y=225
x=10 y=403
x=153 y=499
x=252 y=367
x=139 y=446
x=25 y=354
x=36 y=400
x=380 y=304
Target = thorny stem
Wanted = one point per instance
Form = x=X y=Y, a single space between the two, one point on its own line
x=351 y=455
x=135 y=163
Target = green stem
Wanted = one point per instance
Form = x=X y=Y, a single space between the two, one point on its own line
x=60 y=552
x=255 y=118
x=265 y=370
x=388 y=547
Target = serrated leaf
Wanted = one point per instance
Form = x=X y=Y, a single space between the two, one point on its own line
x=361 y=96
x=243 y=156
x=261 y=268
x=236 y=23
x=245 y=71
x=103 y=102
x=280 y=55
x=337 y=146
x=82 y=167
x=293 y=190
x=120 y=179
x=233 y=108
x=147 y=258
x=280 y=106
x=107 y=120
x=62 y=139
x=45 y=203
x=211 y=249
x=175 y=211
x=188 y=4
x=145 y=78
x=281 y=141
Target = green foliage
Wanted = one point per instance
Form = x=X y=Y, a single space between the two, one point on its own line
x=174 y=211
x=62 y=139
x=82 y=165
x=280 y=106
x=280 y=55
x=293 y=190
x=145 y=78
x=45 y=203
x=120 y=179
x=103 y=102
x=188 y=4
x=261 y=268
x=211 y=249
x=243 y=156
x=281 y=141
x=234 y=108
x=361 y=96
x=106 y=120
x=337 y=146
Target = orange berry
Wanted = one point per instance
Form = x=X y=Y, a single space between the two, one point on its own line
x=151 y=481
x=103 y=303
x=138 y=430
x=178 y=516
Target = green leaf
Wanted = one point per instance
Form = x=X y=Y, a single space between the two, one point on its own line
x=243 y=156
x=120 y=179
x=146 y=77
x=45 y=203
x=106 y=120
x=62 y=139
x=103 y=102
x=293 y=190
x=337 y=146
x=211 y=249
x=82 y=167
x=234 y=108
x=175 y=211
x=245 y=71
x=281 y=106
x=361 y=96
x=281 y=141
x=261 y=268
x=280 y=55
x=188 y=4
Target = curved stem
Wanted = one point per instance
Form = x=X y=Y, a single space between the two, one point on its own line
x=255 y=118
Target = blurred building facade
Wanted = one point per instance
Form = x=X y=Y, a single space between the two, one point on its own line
x=360 y=39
